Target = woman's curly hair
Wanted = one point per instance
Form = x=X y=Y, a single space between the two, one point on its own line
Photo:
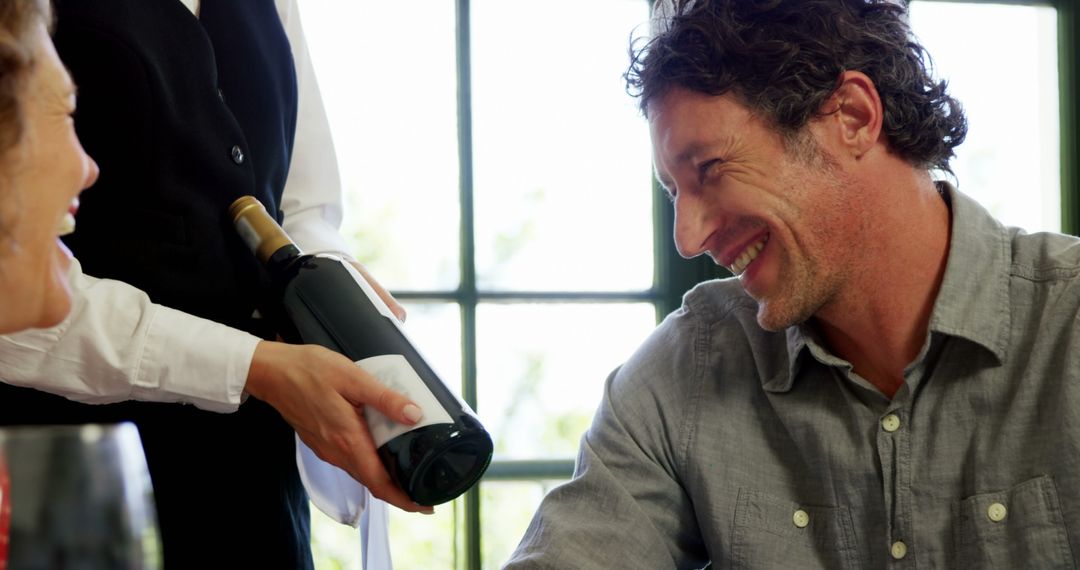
x=783 y=58
x=17 y=20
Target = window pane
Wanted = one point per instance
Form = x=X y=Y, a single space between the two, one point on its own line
x=435 y=330
x=541 y=370
x=424 y=541
x=562 y=160
x=505 y=511
x=388 y=79
x=333 y=545
x=416 y=541
x=1010 y=161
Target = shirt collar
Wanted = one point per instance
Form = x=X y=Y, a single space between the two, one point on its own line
x=974 y=299
x=973 y=302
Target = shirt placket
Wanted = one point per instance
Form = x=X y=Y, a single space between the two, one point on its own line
x=894 y=438
x=893 y=444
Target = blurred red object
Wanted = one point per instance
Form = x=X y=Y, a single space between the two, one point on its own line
x=5 y=514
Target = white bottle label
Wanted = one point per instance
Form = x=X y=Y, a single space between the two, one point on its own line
x=394 y=372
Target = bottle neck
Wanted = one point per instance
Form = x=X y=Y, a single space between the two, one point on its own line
x=282 y=258
x=262 y=234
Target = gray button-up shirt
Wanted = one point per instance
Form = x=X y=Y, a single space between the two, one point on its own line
x=720 y=441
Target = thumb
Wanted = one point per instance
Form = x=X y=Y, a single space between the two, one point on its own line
x=368 y=391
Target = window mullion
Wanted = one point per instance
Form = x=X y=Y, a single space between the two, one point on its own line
x=1068 y=55
x=467 y=288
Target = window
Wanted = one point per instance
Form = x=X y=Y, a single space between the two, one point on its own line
x=498 y=181
x=512 y=223
x=1003 y=67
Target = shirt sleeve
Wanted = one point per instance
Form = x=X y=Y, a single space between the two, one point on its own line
x=117 y=345
x=627 y=504
x=311 y=200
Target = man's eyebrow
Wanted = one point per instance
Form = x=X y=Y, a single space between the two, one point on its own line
x=725 y=141
x=688 y=154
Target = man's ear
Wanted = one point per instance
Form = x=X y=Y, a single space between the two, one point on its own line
x=856 y=112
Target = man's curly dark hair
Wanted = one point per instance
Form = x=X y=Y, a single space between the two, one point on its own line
x=783 y=58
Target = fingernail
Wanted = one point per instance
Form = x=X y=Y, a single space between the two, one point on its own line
x=428 y=512
x=413 y=413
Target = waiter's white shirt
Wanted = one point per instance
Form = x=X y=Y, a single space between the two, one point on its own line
x=116 y=345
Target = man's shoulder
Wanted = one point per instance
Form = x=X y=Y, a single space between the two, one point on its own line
x=712 y=339
x=1044 y=256
x=719 y=306
x=718 y=299
x=716 y=326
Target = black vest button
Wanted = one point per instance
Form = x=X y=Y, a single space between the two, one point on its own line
x=237 y=155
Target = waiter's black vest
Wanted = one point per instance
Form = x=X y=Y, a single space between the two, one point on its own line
x=183 y=115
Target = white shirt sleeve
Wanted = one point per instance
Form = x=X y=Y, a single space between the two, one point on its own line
x=116 y=345
x=312 y=201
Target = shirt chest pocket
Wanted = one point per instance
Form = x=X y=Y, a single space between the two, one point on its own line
x=1021 y=527
x=774 y=533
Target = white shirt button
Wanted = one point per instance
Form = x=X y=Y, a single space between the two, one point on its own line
x=800 y=518
x=890 y=423
x=997 y=512
x=898 y=550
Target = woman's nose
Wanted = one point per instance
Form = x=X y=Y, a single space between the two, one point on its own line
x=92 y=172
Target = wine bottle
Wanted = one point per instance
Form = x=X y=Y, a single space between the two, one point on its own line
x=324 y=300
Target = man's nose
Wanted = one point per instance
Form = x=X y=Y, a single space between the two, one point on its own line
x=692 y=229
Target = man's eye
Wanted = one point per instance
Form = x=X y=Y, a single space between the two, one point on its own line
x=707 y=167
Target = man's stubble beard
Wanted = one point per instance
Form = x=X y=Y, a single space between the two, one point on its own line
x=811 y=282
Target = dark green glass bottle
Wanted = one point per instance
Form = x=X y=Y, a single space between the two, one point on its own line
x=325 y=301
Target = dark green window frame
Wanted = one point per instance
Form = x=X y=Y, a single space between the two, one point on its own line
x=672 y=275
x=1068 y=59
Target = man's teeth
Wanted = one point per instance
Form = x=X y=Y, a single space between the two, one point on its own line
x=67 y=224
x=748 y=255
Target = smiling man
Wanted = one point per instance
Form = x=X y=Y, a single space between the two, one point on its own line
x=892 y=377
